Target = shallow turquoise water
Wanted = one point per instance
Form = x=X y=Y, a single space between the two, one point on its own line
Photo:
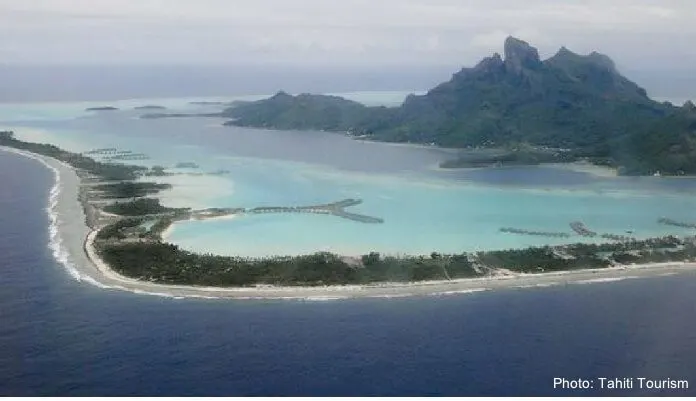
x=424 y=209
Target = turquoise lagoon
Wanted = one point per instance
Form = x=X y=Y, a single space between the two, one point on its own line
x=424 y=208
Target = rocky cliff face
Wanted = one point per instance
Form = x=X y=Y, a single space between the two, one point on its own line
x=519 y=55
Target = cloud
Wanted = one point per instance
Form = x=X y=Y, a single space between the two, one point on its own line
x=348 y=31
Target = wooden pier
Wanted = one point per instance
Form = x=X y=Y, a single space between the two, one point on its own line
x=550 y=234
x=670 y=222
x=127 y=156
x=335 y=209
x=113 y=154
x=577 y=226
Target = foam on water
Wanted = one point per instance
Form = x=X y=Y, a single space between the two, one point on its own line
x=604 y=280
x=460 y=292
x=387 y=296
x=321 y=298
x=90 y=280
x=156 y=294
x=55 y=243
x=540 y=285
x=202 y=296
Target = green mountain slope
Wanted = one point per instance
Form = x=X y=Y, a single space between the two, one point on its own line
x=283 y=111
x=569 y=101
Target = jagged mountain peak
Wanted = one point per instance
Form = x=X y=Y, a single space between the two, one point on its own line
x=281 y=94
x=595 y=58
x=520 y=54
x=603 y=60
x=494 y=61
x=565 y=52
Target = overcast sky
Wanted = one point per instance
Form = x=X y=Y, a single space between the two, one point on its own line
x=377 y=32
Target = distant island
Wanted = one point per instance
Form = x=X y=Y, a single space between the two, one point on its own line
x=569 y=107
x=178 y=115
x=207 y=103
x=150 y=107
x=102 y=108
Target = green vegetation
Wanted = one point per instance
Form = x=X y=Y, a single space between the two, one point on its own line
x=302 y=112
x=156 y=171
x=667 y=147
x=133 y=228
x=119 y=229
x=569 y=101
x=149 y=107
x=545 y=259
x=102 y=108
x=165 y=263
x=106 y=171
x=523 y=154
x=142 y=207
x=584 y=256
x=158 y=228
x=129 y=189
x=172 y=115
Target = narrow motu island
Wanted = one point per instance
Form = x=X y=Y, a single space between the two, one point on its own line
x=111 y=227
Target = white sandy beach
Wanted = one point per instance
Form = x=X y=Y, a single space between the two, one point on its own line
x=578 y=167
x=72 y=243
x=588 y=168
x=168 y=231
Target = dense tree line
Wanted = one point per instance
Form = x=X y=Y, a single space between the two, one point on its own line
x=129 y=189
x=526 y=156
x=141 y=207
x=158 y=228
x=544 y=259
x=116 y=230
x=166 y=263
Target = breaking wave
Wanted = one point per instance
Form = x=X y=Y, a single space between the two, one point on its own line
x=55 y=242
x=604 y=280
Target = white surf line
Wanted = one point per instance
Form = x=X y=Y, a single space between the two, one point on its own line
x=55 y=242
x=59 y=252
x=460 y=292
x=540 y=285
x=603 y=280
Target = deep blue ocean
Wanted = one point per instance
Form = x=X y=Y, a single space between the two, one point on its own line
x=62 y=337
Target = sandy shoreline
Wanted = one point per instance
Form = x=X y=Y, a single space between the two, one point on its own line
x=73 y=245
x=587 y=168
x=578 y=167
x=169 y=230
